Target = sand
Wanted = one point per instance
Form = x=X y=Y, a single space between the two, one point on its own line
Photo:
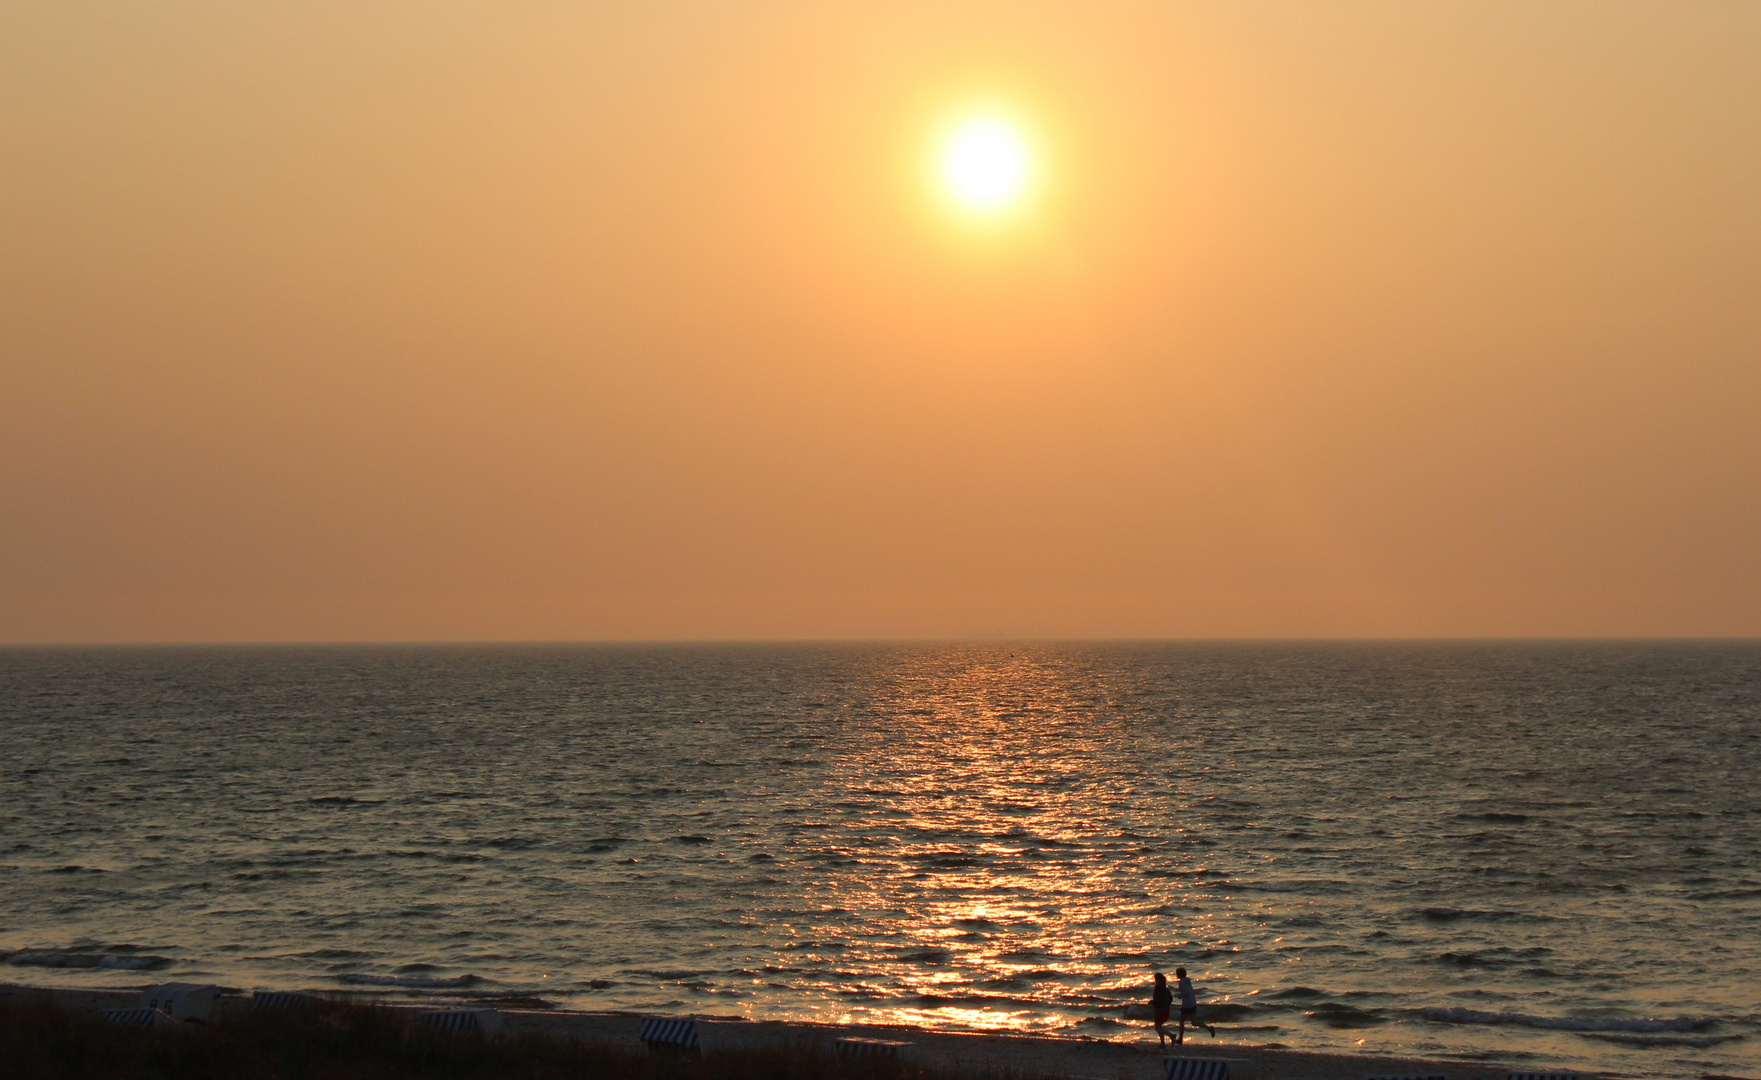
x=1126 y=1058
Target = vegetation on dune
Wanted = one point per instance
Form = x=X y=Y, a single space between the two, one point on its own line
x=333 y=1041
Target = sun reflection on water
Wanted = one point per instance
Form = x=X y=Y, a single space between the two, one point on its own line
x=1004 y=849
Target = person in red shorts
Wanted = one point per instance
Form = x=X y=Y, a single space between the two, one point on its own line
x=1161 y=1000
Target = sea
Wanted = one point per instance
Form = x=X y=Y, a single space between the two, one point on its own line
x=1542 y=853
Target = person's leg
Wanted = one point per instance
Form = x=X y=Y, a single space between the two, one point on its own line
x=1180 y=1032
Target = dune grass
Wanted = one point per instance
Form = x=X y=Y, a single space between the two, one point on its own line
x=335 y=1041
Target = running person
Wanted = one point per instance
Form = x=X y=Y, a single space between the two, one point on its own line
x=1161 y=1000
x=1188 y=1008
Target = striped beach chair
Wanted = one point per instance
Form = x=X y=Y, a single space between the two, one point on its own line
x=854 y=1047
x=181 y=1001
x=138 y=1018
x=270 y=1001
x=460 y=1021
x=1185 y=1068
x=1410 y=1076
x=1548 y=1076
x=663 y=1034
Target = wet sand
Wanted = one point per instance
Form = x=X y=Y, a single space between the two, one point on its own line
x=1124 y=1058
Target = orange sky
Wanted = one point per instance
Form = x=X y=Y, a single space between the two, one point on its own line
x=471 y=320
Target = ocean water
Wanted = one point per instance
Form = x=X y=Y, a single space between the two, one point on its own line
x=1543 y=853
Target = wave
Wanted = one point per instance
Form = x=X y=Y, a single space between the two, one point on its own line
x=412 y=982
x=671 y=974
x=1337 y=1014
x=528 y=998
x=1307 y=885
x=1449 y=914
x=133 y=963
x=1563 y=1023
x=1627 y=1039
x=1729 y=894
x=1228 y=1012
x=51 y=958
x=1491 y=957
x=1298 y=992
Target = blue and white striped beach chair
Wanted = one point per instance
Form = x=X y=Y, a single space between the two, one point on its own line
x=181 y=1001
x=855 y=1047
x=273 y=1001
x=664 y=1034
x=460 y=1021
x=1185 y=1068
x=139 y=1018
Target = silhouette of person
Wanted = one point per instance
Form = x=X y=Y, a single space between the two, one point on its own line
x=1188 y=1008
x=1161 y=1000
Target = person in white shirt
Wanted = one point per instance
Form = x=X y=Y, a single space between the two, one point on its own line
x=1188 y=1008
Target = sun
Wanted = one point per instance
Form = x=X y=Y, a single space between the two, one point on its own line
x=985 y=164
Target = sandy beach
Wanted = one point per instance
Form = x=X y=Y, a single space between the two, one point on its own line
x=1076 y=1058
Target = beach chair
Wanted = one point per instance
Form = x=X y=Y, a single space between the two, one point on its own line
x=854 y=1047
x=460 y=1021
x=181 y=1001
x=1185 y=1068
x=664 y=1035
x=138 y=1018
x=1548 y=1076
x=269 y=1001
x=1410 y=1076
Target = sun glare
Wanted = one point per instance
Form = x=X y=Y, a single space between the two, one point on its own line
x=985 y=164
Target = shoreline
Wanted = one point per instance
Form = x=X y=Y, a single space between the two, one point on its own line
x=1078 y=1058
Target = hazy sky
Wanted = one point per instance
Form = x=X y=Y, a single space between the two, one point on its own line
x=515 y=320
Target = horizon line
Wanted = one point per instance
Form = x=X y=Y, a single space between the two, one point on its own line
x=881 y=640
